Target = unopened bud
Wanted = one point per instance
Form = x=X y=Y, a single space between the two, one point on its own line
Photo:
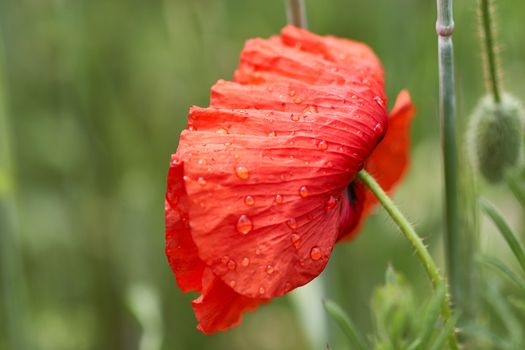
x=496 y=136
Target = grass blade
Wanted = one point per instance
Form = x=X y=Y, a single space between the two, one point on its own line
x=503 y=269
x=505 y=230
x=517 y=190
x=346 y=324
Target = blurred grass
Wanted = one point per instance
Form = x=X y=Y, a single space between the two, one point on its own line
x=98 y=93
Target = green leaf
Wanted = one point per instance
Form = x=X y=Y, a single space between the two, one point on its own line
x=499 y=266
x=346 y=324
x=432 y=312
x=505 y=230
x=442 y=337
x=517 y=190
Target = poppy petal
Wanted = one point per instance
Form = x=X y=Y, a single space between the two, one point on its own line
x=389 y=161
x=180 y=249
x=219 y=307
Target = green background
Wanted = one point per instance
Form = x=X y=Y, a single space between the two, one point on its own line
x=93 y=95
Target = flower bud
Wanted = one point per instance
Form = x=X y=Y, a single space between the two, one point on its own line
x=496 y=136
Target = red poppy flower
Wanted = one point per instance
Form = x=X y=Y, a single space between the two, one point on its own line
x=263 y=182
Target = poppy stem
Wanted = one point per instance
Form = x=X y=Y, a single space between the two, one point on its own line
x=296 y=13
x=492 y=74
x=417 y=243
x=447 y=111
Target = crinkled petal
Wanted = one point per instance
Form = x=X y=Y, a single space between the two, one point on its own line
x=219 y=307
x=180 y=249
x=390 y=160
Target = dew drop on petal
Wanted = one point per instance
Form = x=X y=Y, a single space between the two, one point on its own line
x=222 y=131
x=269 y=88
x=303 y=191
x=269 y=269
x=315 y=253
x=287 y=287
x=186 y=178
x=225 y=259
x=242 y=172
x=245 y=261
x=257 y=251
x=201 y=181
x=310 y=109
x=323 y=145
x=294 y=117
x=292 y=223
x=271 y=134
x=296 y=239
x=292 y=93
x=191 y=128
x=244 y=225
x=249 y=200
x=232 y=283
x=261 y=290
x=330 y=203
x=201 y=161
x=231 y=265
x=298 y=100
x=379 y=101
x=278 y=199
x=378 y=128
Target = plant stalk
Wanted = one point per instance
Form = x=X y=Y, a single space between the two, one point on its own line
x=491 y=58
x=447 y=111
x=296 y=13
x=417 y=243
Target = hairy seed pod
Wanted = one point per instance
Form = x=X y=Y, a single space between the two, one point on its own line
x=496 y=136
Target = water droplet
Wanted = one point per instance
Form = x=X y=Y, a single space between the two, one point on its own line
x=330 y=203
x=201 y=162
x=294 y=117
x=298 y=100
x=287 y=287
x=242 y=172
x=244 y=225
x=191 y=128
x=296 y=239
x=354 y=97
x=201 y=181
x=278 y=199
x=232 y=283
x=245 y=262
x=269 y=269
x=261 y=290
x=222 y=131
x=186 y=178
x=269 y=88
x=303 y=191
x=310 y=110
x=232 y=265
x=378 y=128
x=379 y=101
x=225 y=259
x=292 y=223
x=258 y=251
x=249 y=200
x=292 y=93
x=315 y=253
x=323 y=145
x=271 y=134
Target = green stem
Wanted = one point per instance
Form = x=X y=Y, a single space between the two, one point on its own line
x=487 y=34
x=296 y=13
x=447 y=104
x=416 y=242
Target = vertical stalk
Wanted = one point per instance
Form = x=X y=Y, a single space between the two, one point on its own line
x=491 y=59
x=296 y=13
x=447 y=109
x=12 y=291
